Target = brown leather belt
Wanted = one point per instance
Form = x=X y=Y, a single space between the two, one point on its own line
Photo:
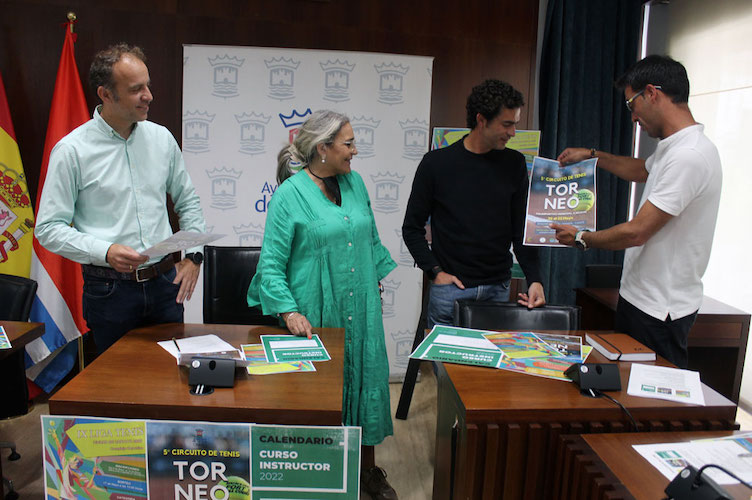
x=139 y=275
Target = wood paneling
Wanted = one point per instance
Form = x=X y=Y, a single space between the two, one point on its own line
x=469 y=41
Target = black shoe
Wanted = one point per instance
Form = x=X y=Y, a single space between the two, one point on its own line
x=375 y=483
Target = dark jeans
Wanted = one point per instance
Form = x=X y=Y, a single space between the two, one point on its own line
x=667 y=338
x=112 y=307
x=441 y=300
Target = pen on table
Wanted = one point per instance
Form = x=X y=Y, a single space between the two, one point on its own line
x=176 y=344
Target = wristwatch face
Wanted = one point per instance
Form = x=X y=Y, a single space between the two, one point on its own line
x=579 y=242
x=196 y=257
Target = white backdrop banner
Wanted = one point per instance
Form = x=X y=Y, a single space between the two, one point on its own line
x=242 y=104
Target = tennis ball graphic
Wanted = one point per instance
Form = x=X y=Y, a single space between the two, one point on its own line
x=585 y=198
x=237 y=489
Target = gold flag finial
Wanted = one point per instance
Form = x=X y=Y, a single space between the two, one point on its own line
x=71 y=18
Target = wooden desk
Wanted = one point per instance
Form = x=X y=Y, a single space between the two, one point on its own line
x=717 y=340
x=136 y=378
x=604 y=466
x=15 y=392
x=497 y=431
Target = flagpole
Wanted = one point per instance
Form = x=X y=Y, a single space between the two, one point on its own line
x=72 y=21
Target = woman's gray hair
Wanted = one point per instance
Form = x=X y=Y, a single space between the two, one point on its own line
x=320 y=128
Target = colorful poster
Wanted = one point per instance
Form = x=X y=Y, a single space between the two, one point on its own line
x=526 y=142
x=550 y=367
x=516 y=345
x=458 y=345
x=444 y=136
x=567 y=345
x=198 y=460
x=561 y=195
x=107 y=459
x=283 y=348
x=260 y=366
x=296 y=462
x=4 y=340
x=94 y=458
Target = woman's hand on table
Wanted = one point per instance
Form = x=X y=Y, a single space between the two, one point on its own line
x=298 y=324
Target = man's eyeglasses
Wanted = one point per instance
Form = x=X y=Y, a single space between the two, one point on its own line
x=629 y=101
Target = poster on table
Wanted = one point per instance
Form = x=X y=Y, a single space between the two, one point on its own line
x=106 y=459
x=241 y=105
x=559 y=195
x=464 y=346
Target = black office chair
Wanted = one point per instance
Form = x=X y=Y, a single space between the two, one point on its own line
x=510 y=316
x=602 y=275
x=227 y=274
x=16 y=296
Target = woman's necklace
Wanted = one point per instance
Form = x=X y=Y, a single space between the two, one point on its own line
x=331 y=185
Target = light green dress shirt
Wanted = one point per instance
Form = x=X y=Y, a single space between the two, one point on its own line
x=325 y=261
x=114 y=190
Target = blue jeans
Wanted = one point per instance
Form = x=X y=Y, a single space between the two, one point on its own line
x=113 y=307
x=442 y=297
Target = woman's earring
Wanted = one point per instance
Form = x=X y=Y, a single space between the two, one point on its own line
x=323 y=159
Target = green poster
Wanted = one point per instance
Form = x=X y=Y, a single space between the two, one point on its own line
x=296 y=462
x=458 y=345
x=288 y=348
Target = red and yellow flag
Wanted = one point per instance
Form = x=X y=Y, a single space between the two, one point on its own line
x=16 y=212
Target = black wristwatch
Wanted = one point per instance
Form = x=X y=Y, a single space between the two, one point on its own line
x=196 y=257
x=435 y=270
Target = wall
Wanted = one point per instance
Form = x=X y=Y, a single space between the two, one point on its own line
x=712 y=40
x=470 y=42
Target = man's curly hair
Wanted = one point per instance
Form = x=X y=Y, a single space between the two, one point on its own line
x=489 y=98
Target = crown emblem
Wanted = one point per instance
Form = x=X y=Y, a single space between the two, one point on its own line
x=226 y=60
x=294 y=119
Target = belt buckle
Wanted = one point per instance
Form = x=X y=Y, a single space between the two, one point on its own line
x=139 y=279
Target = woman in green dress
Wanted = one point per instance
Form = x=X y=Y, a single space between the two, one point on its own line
x=320 y=266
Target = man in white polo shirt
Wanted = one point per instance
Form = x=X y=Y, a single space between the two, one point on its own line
x=668 y=241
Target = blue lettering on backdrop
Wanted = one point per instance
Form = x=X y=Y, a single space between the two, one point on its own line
x=266 y=194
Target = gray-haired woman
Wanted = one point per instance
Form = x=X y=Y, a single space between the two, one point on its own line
x=320 y=266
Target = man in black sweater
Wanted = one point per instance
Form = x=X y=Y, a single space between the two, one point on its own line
x=475 y=194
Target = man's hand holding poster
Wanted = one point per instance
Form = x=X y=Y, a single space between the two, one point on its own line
x=559 y=195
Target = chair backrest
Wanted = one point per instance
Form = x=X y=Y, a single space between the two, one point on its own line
x=602 y=275
x=228 y=272
x=484 y=315
x=16 y=296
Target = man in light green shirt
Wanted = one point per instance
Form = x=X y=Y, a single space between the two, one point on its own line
x=105 y=201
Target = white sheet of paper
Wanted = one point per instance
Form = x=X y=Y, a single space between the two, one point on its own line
x=196 y=345
x=180 y=241
x=293 y=344
x=662 y=382
x=670 y=458
x=464 y=341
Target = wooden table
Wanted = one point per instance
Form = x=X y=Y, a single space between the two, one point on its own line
x=15 y=393
x=136 y=378
x=717 y=340
x=604 y=466
x=497 y=431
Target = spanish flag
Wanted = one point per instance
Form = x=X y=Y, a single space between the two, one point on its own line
x=16 y=212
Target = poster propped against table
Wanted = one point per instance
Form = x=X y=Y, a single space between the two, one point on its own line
x=561 y=195
x=105 y=459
